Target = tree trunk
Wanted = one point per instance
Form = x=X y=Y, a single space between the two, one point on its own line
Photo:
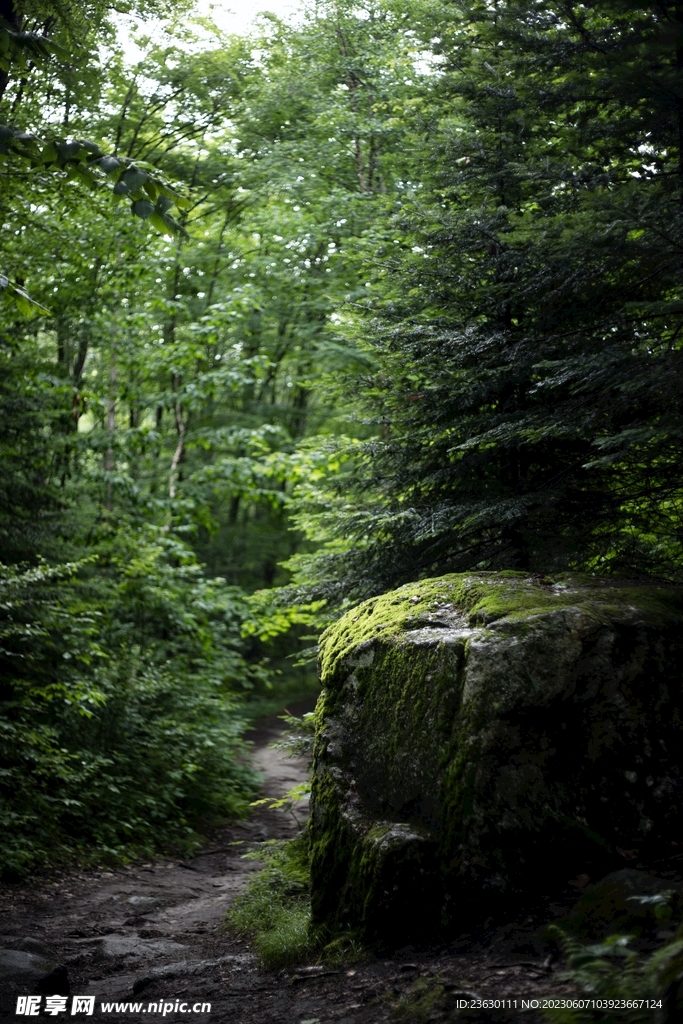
x=178 y=453
x=111 y=426
x=8 y=13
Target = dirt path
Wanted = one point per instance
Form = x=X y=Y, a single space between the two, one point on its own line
x=152 y=934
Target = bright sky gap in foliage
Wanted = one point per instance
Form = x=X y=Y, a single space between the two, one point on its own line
x=236 y=18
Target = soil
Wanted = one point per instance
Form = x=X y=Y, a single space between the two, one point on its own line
x=153 y=934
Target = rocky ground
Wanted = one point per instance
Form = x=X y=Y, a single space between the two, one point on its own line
x=152 y=934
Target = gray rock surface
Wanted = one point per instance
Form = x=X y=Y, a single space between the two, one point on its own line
x=181 y=968
x=140 y=949
x=26 y=973
x=34 y=946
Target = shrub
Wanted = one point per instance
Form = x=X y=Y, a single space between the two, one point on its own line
x=120 y=723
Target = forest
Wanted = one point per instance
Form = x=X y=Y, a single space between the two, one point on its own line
x=288 y=320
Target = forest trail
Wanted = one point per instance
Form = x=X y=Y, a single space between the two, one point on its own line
x=125 y=929
x=153 y=933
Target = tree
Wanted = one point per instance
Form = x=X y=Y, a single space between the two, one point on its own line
x=124 y=662
x=529 y=335
x=154 y=421
x=27 y=41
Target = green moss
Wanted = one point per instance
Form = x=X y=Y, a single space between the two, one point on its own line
x=426 y=1000
x=483 y=598
x=349 y=857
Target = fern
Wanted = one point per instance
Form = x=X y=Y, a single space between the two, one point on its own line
x=611 y=970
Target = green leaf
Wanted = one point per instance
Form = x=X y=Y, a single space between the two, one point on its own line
x=143 y=208
x=108 y=164
x=157 y=221
x=165 y=190
x=134 y=179
x=67 y=150
x=21 y=299
x=49 y=153
x=180 y=201
x=167 y=225
x=78 y=171
x=89 y=147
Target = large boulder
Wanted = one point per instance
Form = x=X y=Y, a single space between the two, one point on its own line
x=481 y=739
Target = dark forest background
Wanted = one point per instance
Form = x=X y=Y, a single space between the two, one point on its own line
x=288 y=320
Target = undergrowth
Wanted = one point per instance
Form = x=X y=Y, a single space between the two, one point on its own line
x=612 y=971
x=427 y=1000
x=122 y=681
x=275 y=911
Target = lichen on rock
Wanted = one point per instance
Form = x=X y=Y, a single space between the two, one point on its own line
x=482 y=737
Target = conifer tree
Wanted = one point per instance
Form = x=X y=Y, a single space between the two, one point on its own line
x=529 y=349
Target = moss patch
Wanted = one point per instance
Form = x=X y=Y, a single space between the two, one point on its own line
x=483 y=598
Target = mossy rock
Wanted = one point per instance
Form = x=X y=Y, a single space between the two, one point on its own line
x=626 y=901
x=483 y=738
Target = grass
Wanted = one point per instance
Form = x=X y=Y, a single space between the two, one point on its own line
x=275 y=911
x=425 y=1001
